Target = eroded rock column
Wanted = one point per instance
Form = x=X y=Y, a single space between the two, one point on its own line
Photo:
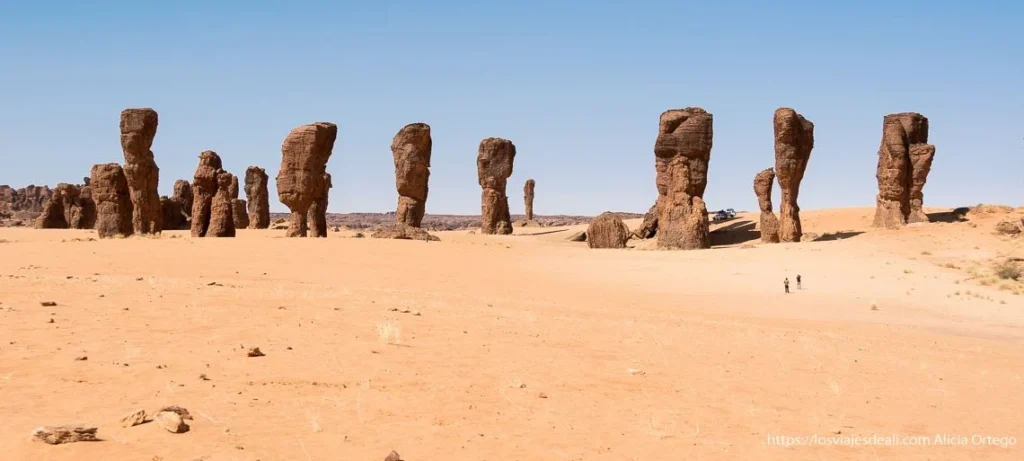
x=682 y=152
x=256 y=180
x=763 y=189
x=904 y=161
x=794 y=140
x=113 y=200
x=411 y=149
x=138 y=128
x=302 y=177
x=494 y=166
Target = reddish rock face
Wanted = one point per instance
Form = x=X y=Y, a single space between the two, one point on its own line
x=904 y=161
x=794 y=140
x=258 y=198
x=411 y=149
x=302 y=178
x=138 y=128
x=113 y=200
x=681 y=154
x=494 y=166
x=607 y=231
x=528 y=190
x=763 y=189
x=68 y=208
x=318 y=210
x=649 y=227
x=32 y=198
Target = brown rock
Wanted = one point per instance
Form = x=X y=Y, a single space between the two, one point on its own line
x=240 y=214
x=68 y=207
x=113 y=201
x=403 y=232
x=56 y=435
x=411 y=149
x=180 y=411
x=254 y=352
x=794 y=140
x=649 y=227
x=138 y=128
x=302 y=178
x=256 y=193
x=212 y=207
x=769 y=223
x=134 y=418
x=318 y=210
x=607 y=231
x=393 y=456
x=177 y=208
x=682 y=152
x=494 y=166
x=31 y=198
x=222 y=223
x=904 y=160
x=171 y=421
x=528 y=190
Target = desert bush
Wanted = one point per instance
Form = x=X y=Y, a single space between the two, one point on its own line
x=1008 y=270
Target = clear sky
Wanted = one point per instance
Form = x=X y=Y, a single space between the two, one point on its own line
x=578 y=87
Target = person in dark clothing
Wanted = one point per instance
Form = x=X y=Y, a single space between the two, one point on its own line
x=798 y=281
x=785 y=283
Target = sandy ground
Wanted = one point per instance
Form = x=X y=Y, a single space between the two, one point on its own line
x=522 y=347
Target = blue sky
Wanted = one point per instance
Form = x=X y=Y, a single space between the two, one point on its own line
x=577 y=87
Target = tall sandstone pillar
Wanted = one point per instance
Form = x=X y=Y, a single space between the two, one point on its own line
x=528 y=190
x=318 y=210
x=794 y=140
x=302 y=178
x=258 y=198
x=411 y=149
x=681 y=155
x=494 y=166
x=904 y=161
x=763 y=189
x=138 y=128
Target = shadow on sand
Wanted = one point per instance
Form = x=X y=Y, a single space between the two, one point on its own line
x=734 y=233
x=957 y=215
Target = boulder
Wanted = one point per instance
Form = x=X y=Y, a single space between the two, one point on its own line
x=682 y=152
x=649 y=227
x=494 y=163
x=56 y=435
x=302 y=178
x=794 y=140
x=607 y=231
x=138 y=128
x=403 y=232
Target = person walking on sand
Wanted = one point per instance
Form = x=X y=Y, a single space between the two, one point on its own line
x=798 y=282
x=785 y=283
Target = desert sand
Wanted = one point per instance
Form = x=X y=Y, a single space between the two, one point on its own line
x=517 y=347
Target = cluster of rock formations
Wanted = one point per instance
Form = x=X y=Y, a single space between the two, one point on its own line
x=31 y=198
x=303 y=180
x=177 y=208
x=904 y=161
x=69 y=206
x=794 y=140
x=494 y=166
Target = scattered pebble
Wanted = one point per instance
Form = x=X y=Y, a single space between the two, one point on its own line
x=180 y=411
x=393 y=456
x=203 y=377
x=171 y=422
x=134 y=418
x=47 y=304
x=81 y=358
x=635 y=372
x=255 y=352
x=542 y=395
x=51 y=320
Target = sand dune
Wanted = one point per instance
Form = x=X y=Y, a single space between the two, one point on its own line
x=523 y=347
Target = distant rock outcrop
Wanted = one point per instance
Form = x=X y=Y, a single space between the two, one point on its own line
x=607 y=231
x=318 y=210
x=177 y=208
x=403 y=232
x=239 y=213
x=763 y=189
x=682 y=152
x=494 y=163
x=31 y=198
x=212 y=213
x=794 y=140
x=411 y=149
x=528 y=190
x=68 y=208
x=302 y=179
x=113 y=200
x=904 y=160
x=258 y=198
x=138 y=128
